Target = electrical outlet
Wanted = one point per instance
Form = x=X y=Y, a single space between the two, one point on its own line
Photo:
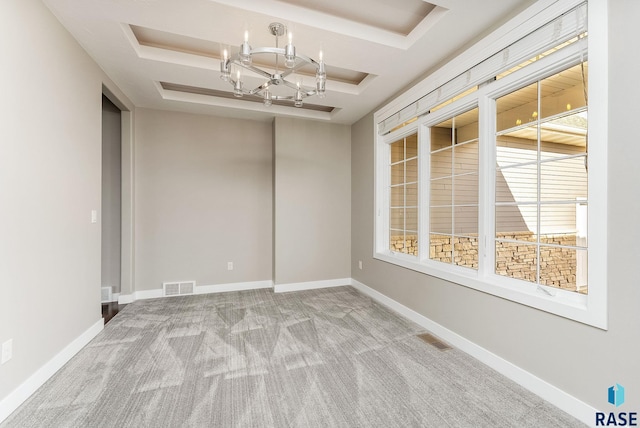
x=94 y=216
x=7 y=351
x=229 y=265
x=360 y=264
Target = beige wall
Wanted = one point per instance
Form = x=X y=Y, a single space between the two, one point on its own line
x=49 y=183
x=581 y=360
x=312 y=201
x=203 y=198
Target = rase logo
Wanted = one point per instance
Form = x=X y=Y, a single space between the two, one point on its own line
x=615 y=396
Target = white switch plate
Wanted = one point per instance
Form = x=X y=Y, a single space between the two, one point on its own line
x=94 y=216
x=7 y=351
x=360 y=264
x=229 y=265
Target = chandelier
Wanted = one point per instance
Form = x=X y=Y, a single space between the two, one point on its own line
x=292 y=63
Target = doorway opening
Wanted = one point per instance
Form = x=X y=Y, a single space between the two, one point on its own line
x=111 y=250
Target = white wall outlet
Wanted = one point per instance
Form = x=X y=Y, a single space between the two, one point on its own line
x=94 y=216
x=7 y=351
x=360 y=264
x=229 y=265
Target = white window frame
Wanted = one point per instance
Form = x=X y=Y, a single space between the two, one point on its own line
x=460 y=106
x=590 y=309
x=385 y=156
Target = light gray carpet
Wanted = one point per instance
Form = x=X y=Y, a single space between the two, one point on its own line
x=318 y=358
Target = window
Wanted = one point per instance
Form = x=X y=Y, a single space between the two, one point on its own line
x=453 y=197
x=541 y=182
x=403 y=195
x=511 y=173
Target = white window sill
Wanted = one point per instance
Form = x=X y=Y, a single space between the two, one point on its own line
x=567 y=304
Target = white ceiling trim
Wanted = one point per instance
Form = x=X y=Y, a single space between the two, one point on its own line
x=242 y=105
x=339 y=25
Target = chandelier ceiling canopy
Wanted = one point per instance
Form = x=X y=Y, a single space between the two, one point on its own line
x=287 y=62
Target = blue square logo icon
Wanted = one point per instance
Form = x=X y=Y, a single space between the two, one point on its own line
x=616 y=395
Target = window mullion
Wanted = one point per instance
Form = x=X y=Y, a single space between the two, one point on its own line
x=539 y=178
x=453 y=188
x=486 y=190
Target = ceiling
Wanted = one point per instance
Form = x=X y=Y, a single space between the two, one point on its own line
x=164 y=54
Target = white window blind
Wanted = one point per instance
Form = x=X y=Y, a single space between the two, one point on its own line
x=552 y=34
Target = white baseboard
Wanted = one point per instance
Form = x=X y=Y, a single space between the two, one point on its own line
x=36 y=380
x=124 y=299
x=566 y=402
x=198 y=289
x=235 y=286
x=310 y=285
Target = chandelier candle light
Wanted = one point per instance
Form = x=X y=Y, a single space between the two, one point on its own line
x=292 y=63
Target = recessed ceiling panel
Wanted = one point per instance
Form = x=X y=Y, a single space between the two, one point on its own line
x=194 y=46
x=224 y=94
x=398 y=16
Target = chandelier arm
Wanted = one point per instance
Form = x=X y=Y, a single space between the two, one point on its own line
x=282 y=98
x=305 y=92
x=289 y=71
x=260 y=88
x=267 y=50
x=253 y=69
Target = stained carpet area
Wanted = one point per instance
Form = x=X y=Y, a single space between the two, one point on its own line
x=320 y=358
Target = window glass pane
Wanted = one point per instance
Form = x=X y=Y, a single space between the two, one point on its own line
x=519 y=222
x=558 y=224
x=440 y=220
x=466 y=158
x=397 y=196
x=465 y=251
x=410 y=244
x=441 y=163
x=412 y=146
x=466 y=220
x=397 y=151
x=441 y=191
x=517 y=184
x=467 y=126
x=396 y=219
x=581 y=224
x=564 y=136
x=517 y=108
x=403 y=197
x=563 y=92
x=442 y=135
x=466 y=189
x=397 y=173
x=564 y=268
x=411 y=219
x=514 y=148
x=396 y=240
x=412 y=195
x=552 y=150
x=563 y=179
x=411 y=171
x=517 y=260
x=440 y=248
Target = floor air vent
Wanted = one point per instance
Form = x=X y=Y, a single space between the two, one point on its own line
x=178 y=288
x=434 y=341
